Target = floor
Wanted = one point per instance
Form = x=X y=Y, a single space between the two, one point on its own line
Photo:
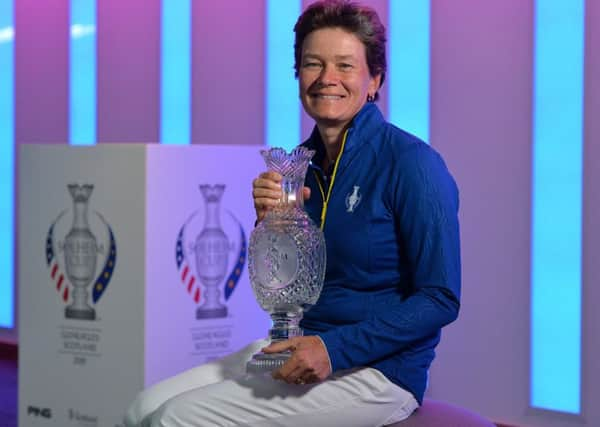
x=8 y=392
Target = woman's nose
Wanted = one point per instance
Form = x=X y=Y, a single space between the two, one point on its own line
x=328 y=75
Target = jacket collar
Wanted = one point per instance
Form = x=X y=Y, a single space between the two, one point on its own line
x=363 y=126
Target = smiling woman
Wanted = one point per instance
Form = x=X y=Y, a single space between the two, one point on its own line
x=388 y=209
x=335 y=81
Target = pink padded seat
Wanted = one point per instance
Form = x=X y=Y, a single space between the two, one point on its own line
x=434 y=413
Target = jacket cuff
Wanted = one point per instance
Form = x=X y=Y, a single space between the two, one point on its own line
x=327 y=351
x=331 y=341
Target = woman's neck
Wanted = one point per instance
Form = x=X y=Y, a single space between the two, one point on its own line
x=332 y=140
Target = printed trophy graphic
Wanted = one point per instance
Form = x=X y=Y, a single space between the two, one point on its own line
x=212 y=238
x=81 y=253
x=212 y=250
x=286 y=257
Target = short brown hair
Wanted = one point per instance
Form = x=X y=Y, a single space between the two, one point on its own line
x=362 y=21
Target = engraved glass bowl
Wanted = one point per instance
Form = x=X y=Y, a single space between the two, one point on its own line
x=286 y=256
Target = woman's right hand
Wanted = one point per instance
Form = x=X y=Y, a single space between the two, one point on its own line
x=266 y=192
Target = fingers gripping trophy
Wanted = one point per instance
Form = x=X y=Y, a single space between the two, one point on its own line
x=286 y=257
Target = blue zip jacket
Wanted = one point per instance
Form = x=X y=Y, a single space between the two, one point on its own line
x=393 y=253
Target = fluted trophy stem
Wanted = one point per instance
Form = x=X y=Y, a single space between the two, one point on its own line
x=286 y=257
x=286 y=323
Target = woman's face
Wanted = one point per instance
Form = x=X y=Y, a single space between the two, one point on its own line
x=334 y=76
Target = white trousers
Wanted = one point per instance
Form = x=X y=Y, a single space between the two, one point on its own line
x=220 y=393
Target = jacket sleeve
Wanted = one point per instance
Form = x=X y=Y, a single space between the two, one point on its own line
x=424 y=198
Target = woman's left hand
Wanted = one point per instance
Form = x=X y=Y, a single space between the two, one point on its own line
x=309 y=362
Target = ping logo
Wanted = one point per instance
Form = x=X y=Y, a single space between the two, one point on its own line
x=39 y=412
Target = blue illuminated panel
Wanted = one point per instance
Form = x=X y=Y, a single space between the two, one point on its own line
x=282 y=115
x=557 y=205
x=176 y=70
x=7 y=163
x=409 y=65
x=82 y=72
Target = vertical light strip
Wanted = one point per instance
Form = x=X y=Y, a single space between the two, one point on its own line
x=7 y=162
x=282 y=115
x=82 y=72
x=557 y=205
x=176 y=71
x=409 y=65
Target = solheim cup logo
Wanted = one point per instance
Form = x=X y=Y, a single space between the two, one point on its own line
x=219 y=259
x=74 y=271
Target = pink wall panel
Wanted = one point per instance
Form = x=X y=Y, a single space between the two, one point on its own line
x=381 y=6
x=481 y=122
x=128 y=70
x=481 y=85
x=41 y=88
x=306 y=122
x=228 y=72
x=41 y=71
x=591 y=219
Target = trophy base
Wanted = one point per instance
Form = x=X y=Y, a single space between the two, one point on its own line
x=211 y=313
x=262 y=363
x=79 y=313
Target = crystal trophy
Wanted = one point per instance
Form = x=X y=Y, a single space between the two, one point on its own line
x=212 y=250
x=81 y=253
x=286 y=257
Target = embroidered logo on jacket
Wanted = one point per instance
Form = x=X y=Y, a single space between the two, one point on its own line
x=353 y=199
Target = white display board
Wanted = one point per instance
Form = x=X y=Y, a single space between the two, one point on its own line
x=132 y=268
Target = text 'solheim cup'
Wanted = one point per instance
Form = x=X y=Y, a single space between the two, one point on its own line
x=286 y=256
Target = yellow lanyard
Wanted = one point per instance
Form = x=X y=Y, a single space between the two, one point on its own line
x=326 y=199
